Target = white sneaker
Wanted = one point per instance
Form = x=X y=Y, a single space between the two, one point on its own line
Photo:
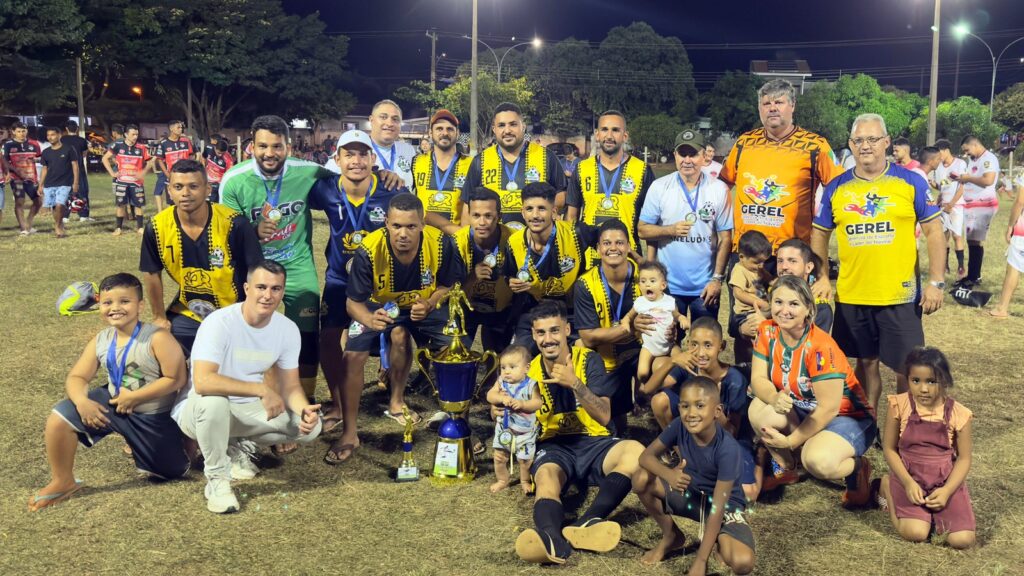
x=86 y=219
x=220 y=498
x=242 y=466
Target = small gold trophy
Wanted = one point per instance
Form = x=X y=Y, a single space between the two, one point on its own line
x=407 y=472
x=455 y=383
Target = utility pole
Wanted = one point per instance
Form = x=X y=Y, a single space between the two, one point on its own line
x=956 y=75
x=432 y=34
x=81 y=99
x=933 y=99
x=473 y=104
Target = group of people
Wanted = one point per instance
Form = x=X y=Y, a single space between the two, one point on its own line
x=601 y=286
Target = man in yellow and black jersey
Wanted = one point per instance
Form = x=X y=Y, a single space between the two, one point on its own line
x=438 y=176
x=511 y=164
x=544 y=259
x=483 y=246
x=398 y=276
x=574 y=445
x=206 y=248
x=610 y=185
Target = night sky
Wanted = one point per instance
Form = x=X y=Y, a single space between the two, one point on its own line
x=889 y=39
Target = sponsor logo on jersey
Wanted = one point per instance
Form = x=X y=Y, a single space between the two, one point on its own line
x=764 y=191
x=873 y=206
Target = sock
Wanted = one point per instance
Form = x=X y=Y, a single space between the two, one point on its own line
x=612 y=490
x=138 y=220
x=547 y=515
x=947 y=258
x=960 y=258
x=975 y=255
x=851 y=480
x=120 y=221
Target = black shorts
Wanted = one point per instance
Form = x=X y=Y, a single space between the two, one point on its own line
x=22 y=188
x=333 y=313
x=694 y=504
x=184 y=330
x=580 y=457
x=885 y=332
x=155 y=439
x=214 y=191
x=427 y=333
x=161 y=185
x=497 y=326
x=623 y=375
x=126 y=193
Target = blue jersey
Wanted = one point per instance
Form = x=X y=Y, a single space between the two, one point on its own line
x=349 y=223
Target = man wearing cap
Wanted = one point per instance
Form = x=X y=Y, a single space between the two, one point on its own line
x=687 y=221
x=438 y=177
x=356 y=204
x=512 y=163
x=399 y=275
x=392 y=154
x=610 y=185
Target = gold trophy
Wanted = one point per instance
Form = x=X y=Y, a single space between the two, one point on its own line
x=455 y=385
x=407 y=472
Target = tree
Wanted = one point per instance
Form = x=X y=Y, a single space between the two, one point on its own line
x=655 y=132
x=732 y=102
x=39 y=41
x=1008 y=107
x=956 y=119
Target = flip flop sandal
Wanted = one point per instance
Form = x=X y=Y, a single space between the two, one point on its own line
x=531 y=548
x=479 y=449
x=330 y=423
x=278 y=449
x=333 y=454
x=38 y=502
x=596 y=535
x=400 y=418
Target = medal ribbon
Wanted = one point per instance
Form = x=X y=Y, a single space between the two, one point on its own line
x=496 y=246
x=115 y=369
x=686 y=191
x=606 y=187
x=357 y=218
x=275 y=196
x=511 y=176
x=608 y=290
x=512 y=393
x=440 y=182
x=389 y=166
x=543 y=255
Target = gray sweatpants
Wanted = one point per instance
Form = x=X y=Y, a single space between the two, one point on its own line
x=213 y=420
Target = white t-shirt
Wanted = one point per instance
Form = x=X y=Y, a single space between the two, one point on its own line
x=982 y=196
x=243 y=352
x=690 y=259
x=661 y=310
x=948 y=186
x=403 y=155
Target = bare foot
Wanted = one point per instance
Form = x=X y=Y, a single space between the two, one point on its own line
x=117 y=232
x=499 y=486
x=997 y=313
x=140 y=231
x=669 y=543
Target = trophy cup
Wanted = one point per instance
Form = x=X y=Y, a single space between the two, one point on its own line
x=407 y=472
x=455 y=384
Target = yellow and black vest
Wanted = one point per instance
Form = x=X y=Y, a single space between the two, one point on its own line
x=560 y=414
x=492 y=175
x=625 y=200
x=203 y=287
x=447 y=203
x=382 y=269
x=494 y=293
x=570 y=261
x=591 y=280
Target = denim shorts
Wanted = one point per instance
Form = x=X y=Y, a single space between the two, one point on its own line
x=55 y=196
x=858 y=432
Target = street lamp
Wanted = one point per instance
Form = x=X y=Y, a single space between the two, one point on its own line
x=137 y=90
x=961 y=30
x=536 y=43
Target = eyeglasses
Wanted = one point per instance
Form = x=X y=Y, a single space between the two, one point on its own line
x=871 y=140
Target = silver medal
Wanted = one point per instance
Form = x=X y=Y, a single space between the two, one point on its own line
x=607 y=204
x=439 y=197
x=274 y=215
x=490 y=260
x=357 y=238
x=524 y=275
x=505 y=438
x=691 y=217
x=512 y=187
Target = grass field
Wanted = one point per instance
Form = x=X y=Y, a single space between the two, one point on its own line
x=304 y=517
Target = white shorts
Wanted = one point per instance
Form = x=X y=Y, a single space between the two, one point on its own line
x=1015 y=253
x=953 y=221
x=976 y=222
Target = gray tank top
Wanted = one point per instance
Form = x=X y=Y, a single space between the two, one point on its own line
x=141 y=367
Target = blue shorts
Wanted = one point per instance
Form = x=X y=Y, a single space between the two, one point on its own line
x=580 y=457
x=155 y=439
x=161 y=184
x=56 y=195
x=858 y=432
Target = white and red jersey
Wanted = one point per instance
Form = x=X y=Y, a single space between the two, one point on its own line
x=947 y=184
x=21 y=157
x=130 y=160
x=982 y=196
x=170 y=151
x=713 y=169
x=217 y=165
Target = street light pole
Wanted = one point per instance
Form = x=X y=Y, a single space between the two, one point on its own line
x=962 y=30
x=432 y=34
x=933 y=96
x=473 y=104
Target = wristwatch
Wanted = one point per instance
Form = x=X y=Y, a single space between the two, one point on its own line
x=940 y=284
x=719 y=277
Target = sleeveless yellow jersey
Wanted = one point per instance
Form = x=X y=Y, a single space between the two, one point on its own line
x=560 y=414
x=569 y=254
x=625 y=201
x=487 y=295
x=427 y=177
x=591 y=282
x=775 y=183
x=493 y=176
x=376 y=246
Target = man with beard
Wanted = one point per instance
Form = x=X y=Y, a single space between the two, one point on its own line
x=272 y=190
x=206 y=248
x=511 y=164
x=438 y=177
x=356 y=204
x=611 y=185
x=392 y=154
x=170 y=150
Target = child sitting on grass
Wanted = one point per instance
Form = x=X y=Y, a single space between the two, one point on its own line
x=517 y=398
x=658 y=304
x=704 y=487
x=145 y=369
x=927 y=445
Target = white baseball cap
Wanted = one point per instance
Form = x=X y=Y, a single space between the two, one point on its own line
x=354 y=137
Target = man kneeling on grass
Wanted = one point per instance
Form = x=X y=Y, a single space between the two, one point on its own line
x=145 y=368
x=245 y=385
